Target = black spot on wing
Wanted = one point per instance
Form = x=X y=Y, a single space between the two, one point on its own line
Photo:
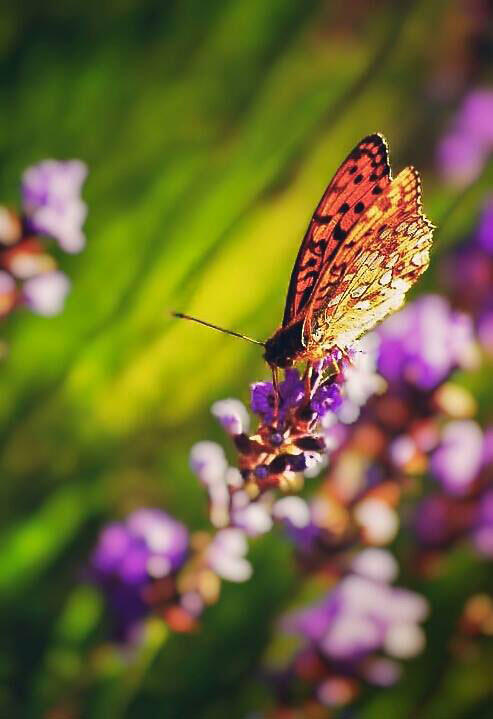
x=339 y=234
x=322 y=219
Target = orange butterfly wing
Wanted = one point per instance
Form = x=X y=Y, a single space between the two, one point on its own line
x=378 y=262
x=357 y=184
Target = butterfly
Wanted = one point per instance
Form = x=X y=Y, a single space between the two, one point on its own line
x=367 y=243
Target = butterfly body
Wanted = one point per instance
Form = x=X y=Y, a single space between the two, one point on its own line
x=367 y=243
x=285 y=347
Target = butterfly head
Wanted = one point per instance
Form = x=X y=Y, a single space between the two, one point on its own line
x=285 y=345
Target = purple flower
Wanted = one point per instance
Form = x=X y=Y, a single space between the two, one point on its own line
x=232 y=414
x=52 y=201
x=254 y=518
x=376 y=564
x=424 y=342
x=460 y=158
x=361 y=379
x=226 y=555
x=208 y=462
x=363 y=614
x=305 y=538
x=148 y=545
x=351 y=636
x=463 y=151
x=262 y=400
x=163 y=536
x=327 y=398
x=457 y=460
x=45 y=294
x=314 y=621
x=293 y=510
x=476 y=116
x=291 y=391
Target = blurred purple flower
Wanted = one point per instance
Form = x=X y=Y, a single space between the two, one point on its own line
x=424 y=342
x=163 y=536
x=361 y=378
x=148 y=545
x=293 y=510
x=376 y=564
x=232 y=414
x=476 y=116
x=45 y=293
x=363 y=614
x=209 y=463
x=226 y=555
x=465 y=148
x=457 y=460
x=460 y=158
x=52 y=202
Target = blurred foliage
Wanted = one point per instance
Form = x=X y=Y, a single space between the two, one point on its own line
x=210 y=129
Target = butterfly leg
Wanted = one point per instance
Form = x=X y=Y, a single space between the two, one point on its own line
x=308 y=380
x=275 y=384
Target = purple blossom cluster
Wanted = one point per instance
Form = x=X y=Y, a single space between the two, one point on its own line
x=465 y=148
x=423 y=343
x=51 y=206
x=462 y=507
x=359 y=630
x=52 y=203
x=130 y=556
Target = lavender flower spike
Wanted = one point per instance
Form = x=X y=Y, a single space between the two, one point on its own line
x=52 y=202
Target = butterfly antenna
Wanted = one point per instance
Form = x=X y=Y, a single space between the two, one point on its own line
x=182 y=316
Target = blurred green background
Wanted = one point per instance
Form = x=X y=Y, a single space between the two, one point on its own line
x=210 y=130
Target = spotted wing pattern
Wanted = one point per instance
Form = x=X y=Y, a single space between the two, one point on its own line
x=380 y=259
x=360 y=180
